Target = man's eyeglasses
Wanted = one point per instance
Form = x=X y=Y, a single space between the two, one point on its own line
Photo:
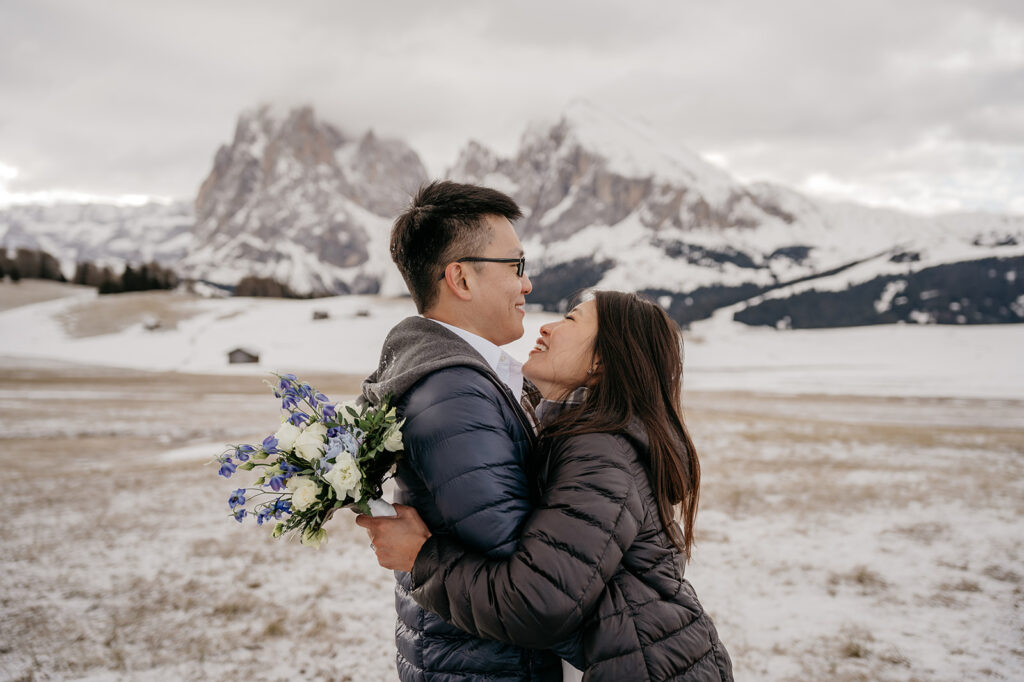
x=520 y=263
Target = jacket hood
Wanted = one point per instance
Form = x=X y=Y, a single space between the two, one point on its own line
x=414 y=348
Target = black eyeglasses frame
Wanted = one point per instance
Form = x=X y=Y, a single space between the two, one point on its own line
x=520 y=263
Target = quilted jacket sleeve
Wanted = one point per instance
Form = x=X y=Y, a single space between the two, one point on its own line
x=459 y=441
x=570 y=548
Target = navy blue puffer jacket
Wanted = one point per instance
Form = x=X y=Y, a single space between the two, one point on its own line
x=466 y=445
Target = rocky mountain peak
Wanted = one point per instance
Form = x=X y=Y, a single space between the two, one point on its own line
x=289 y=181
x=592 y=167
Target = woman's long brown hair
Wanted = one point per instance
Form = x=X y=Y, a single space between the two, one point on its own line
x=638 y=350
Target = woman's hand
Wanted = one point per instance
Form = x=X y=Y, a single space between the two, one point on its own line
x=396 y=539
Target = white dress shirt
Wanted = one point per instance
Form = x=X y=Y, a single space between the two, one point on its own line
x=508 y=369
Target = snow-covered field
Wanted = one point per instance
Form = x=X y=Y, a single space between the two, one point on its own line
x=861 y=518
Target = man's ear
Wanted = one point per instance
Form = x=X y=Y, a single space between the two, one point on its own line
x=457 y=281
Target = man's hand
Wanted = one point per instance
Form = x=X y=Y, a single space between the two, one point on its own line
x=396 y=539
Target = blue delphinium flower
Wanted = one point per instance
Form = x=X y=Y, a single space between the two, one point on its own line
x=240 y=514
x=270 y=445
x=307 y=392
x=276 y=482
x=333 y=432
x=330 y=411
x=264 y=514
x=289 y=469
x=227 y=468
x=320 y=397
x=237 y=498
x=297 y=419
x=242 y=452
x=349 y=441
x=289 y=400
x=282 y=507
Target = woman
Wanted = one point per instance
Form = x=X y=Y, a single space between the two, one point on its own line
x=598 y=574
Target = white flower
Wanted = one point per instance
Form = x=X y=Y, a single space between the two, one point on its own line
x=345 y=477
x=310 y=443
x=313 y=539
x=393 y=441
x=304 y=492
x=286 y=436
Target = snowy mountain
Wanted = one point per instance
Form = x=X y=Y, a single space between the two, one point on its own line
x=300 y=201
x=99 y=233
x=609 y=204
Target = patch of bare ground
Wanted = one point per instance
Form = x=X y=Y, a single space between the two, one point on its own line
x=116 y=312
x=29 y=291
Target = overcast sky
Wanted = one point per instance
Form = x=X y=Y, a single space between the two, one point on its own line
x=913 y=104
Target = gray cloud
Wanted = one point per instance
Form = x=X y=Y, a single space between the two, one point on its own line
x=907 y=103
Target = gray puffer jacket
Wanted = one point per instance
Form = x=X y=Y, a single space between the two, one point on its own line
x=466 y=442
x=595 y=575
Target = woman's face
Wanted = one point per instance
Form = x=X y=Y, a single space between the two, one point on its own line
x=564 y=352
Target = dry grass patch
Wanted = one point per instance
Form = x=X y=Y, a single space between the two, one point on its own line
x=864 y=579
x=29 y=291
x=962 y=585
x=112 y=313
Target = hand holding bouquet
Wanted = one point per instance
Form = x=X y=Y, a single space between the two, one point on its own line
x=323 y=457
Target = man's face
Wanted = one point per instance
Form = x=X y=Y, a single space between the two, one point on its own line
x=498 y=293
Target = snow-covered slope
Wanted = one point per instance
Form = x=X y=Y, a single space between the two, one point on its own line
x=103 y=234
x=970 y=361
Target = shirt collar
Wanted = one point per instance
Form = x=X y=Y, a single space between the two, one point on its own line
x=508 y=369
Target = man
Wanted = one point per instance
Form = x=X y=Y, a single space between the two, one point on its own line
x=466 y=434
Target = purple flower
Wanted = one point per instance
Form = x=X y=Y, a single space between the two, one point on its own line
x=276 y=483
x=240 y=514
x=289 y=469
x=329 y=412
x=282 y=506
x=320 y=397
x=270 y=445
x=237 y=498
x=297 y=419
x=333 y=432
x=264 y=514
x=227 y=468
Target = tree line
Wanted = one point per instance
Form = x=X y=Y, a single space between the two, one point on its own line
x=38 y=264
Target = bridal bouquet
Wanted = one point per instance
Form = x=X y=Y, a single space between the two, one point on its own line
x=322 y=458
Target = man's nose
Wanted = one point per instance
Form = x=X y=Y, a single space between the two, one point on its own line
x=527 y=284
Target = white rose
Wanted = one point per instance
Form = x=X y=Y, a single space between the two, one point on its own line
x=286 y=436
x=345 y=477
x=304 y=492
x=393 y=442
x=310 y=443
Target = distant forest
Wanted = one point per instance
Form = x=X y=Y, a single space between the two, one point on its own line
x=38 y=264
